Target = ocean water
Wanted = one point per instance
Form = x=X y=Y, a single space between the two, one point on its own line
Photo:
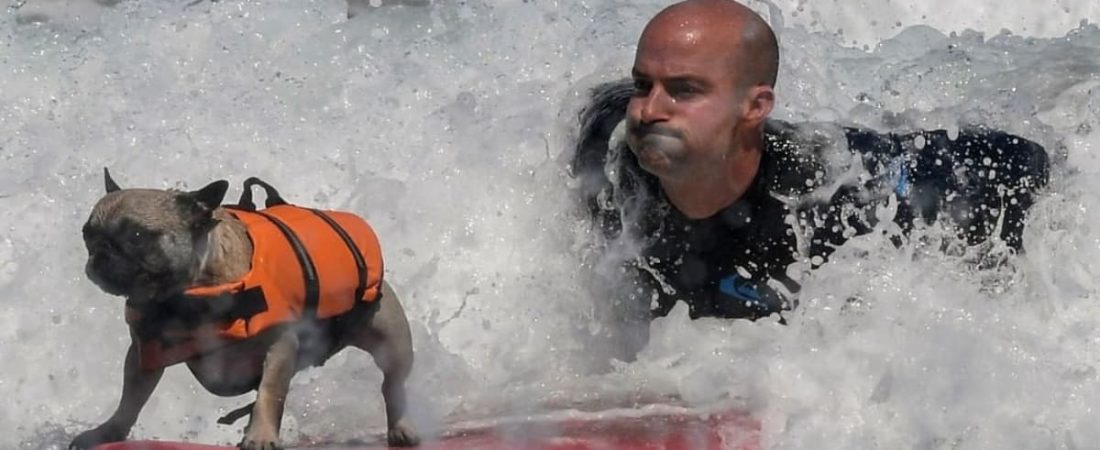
x=448 y=123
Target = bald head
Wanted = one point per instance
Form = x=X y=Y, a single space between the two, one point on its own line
x=725 y=29
x=703 y=89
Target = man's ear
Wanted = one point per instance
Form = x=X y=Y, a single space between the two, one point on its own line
x=210 y=196
x=759 y=103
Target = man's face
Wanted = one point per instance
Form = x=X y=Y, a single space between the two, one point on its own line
x=685 y=106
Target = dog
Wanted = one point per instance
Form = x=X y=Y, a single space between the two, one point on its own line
x=244 y=298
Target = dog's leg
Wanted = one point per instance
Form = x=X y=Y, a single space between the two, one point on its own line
x=386 y=336
x=267 y=413
x=137 y=386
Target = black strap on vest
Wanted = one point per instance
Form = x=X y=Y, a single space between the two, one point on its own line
x=354 y=249
x=273 y=197
x=309 y=270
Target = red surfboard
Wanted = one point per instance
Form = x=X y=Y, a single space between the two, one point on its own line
x=667 y=431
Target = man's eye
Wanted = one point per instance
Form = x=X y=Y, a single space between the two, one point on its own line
x=683 y=91
x=642 y=87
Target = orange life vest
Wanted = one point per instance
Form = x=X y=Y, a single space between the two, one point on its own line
x=306 y=264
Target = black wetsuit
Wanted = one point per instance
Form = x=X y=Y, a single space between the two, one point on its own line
x=810 y=195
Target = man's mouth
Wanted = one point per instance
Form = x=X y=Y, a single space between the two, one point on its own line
x=644 y=131
x=655 y=148
x=648 y=155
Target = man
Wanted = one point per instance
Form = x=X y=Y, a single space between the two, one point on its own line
x=724 y=200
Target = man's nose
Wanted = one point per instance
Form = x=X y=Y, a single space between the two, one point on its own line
x=654 y=107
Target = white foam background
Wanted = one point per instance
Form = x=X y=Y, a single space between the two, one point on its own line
x=445 y=124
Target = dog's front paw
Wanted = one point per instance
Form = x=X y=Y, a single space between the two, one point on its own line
x=260 y=439
x=402 y=435
x=99 y=435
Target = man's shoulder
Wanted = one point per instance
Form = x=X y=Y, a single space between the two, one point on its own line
x=800 y=158
x=823 y=141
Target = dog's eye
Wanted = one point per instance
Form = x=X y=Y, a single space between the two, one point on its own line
x=136 y=239
x=125 y=243
x=130 y=244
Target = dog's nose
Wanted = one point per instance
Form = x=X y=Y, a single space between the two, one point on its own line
x=89 y=266
x=90 y=272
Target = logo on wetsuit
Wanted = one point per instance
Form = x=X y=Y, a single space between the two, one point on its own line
x=740 y=288
x=901 y=172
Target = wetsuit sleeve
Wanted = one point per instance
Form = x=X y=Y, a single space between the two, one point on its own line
x=606 y=198
x=984 y=181
x=981 y=181
x=609 y=181
x=592 y=152
x=851 y=210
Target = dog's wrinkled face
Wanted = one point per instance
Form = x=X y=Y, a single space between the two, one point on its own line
x=146 y=242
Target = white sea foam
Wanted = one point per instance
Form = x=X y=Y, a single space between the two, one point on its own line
x=445 y=124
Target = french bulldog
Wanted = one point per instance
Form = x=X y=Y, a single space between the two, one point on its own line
x=152 y=246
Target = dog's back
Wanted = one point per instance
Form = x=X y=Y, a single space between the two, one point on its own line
x=317 y=264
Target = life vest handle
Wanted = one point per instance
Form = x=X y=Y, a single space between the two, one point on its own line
x=273 y=197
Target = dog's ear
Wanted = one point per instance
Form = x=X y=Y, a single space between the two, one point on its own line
x=108 y=182
x=210 y=196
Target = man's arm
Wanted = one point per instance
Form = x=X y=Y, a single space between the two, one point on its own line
x=983 y=180
x=606 y=197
